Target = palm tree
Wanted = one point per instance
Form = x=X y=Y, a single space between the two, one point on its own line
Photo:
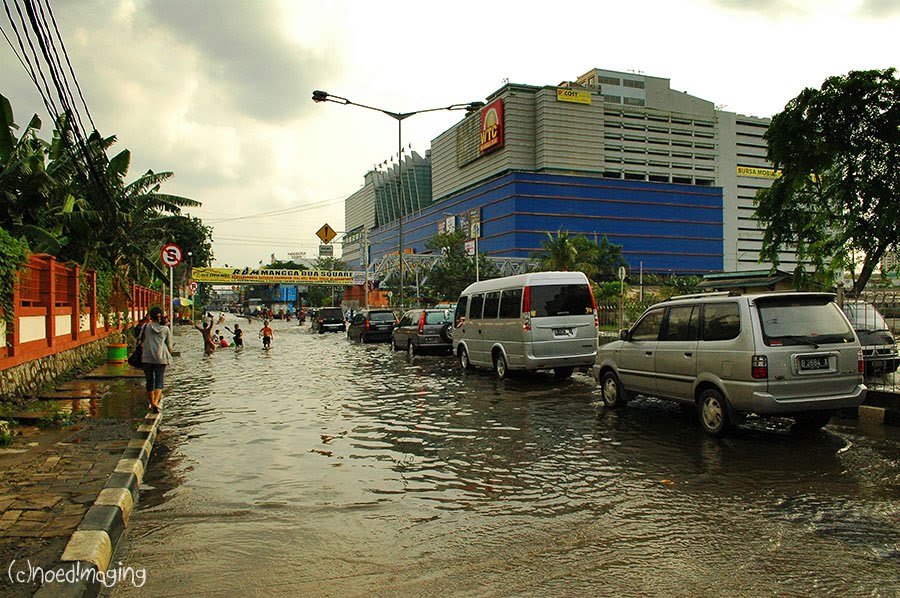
x=562 y=253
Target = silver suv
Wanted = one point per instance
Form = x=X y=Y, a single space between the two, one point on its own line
x=778 y=354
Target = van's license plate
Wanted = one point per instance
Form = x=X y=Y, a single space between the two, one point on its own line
x=813 y=363
x=563 y=331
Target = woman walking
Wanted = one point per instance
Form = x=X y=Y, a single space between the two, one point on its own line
x=157 y=343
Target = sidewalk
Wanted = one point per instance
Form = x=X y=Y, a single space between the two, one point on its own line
x=51 y=476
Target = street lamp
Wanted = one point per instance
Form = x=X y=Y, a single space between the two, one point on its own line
x=324 y=96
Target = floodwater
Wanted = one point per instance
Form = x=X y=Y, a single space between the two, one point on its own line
x=323 y=467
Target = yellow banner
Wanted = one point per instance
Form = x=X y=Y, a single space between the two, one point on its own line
x=758 y=173
x=271 y=276
x=576 y=96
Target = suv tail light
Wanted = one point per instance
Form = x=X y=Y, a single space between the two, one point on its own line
x=422 y=323
x=594 y=307
x=526 y=309
x=759 y=367
x=860 y=364
x=367 y=323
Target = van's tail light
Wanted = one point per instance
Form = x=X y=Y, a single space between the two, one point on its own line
x=526 y=310
x=759 y=367
x=860 y=364
x=367 y=323
x=422 y=323
x=594 y=307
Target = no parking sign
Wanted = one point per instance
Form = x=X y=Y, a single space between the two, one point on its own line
x=170 y=255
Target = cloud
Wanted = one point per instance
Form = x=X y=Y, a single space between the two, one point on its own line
x=879 y=8
x=776 y=9
x=247 y=53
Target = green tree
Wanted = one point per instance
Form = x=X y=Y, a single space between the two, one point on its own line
x=456 y=269
x=599 y=261
x=838 y=148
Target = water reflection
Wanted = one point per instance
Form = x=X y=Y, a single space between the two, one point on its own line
x=336 y=467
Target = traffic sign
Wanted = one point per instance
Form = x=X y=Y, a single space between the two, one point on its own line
x=193 y=286
x=170 y=255
x=326 y=233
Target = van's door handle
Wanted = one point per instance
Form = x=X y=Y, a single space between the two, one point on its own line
x=648 y=353
x=479 y=331
x=688 y=354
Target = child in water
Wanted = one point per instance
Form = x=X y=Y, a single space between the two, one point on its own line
x=266 y=335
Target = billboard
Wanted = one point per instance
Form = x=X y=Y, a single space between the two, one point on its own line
x=272 y=276
x=576 y=96
x=491 y=127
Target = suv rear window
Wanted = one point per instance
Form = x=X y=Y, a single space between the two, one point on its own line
x=381 y=316
x=865 y=317
x=802 y=321
x=437 y=317
x=331 y=312
x=561 y=300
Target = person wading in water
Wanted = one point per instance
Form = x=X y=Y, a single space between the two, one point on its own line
x=208 y=345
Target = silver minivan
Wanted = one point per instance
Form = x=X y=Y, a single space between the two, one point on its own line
x=537 y=321
x=774 y=354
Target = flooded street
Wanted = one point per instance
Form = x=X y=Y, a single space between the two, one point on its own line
x=323 y=467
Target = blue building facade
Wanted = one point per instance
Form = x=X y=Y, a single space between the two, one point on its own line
x=662 y=227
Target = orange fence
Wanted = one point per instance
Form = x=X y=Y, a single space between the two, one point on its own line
x=52 y=313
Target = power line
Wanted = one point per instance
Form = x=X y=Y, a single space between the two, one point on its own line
x=283 y=211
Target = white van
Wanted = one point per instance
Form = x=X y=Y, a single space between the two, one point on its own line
x=538 y=321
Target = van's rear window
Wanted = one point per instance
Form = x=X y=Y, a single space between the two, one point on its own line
x=561 y=300
x=802 y=320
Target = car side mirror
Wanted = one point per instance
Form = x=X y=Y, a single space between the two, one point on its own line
x=624 y=335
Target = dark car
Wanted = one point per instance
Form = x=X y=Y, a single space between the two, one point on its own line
x=878 y=343
x=373 y=325
x=421 y=330
x=329 y=319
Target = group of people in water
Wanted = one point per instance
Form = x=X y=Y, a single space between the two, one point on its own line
x=214 y=339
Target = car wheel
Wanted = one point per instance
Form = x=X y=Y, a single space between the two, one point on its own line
x=394 y=346
x=500 y=367
x=464 y=359
x=714 y=412
x=613 y=393
x=362 y=338
x=446 y=335
x=810 y=422
x=562 y=373
x=411 y=350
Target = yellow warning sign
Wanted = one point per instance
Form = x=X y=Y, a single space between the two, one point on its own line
x=326 y=233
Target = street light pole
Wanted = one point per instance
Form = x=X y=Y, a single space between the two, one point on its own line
x=324 y=96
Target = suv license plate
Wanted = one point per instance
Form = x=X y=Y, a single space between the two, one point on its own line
x=563 y=331
x=813 y=363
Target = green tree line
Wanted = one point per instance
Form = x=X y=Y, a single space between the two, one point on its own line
x=75 y=203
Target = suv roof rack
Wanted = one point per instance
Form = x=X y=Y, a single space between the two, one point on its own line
x=733 y=293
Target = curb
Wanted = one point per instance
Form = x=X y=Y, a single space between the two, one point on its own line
x=90 y=550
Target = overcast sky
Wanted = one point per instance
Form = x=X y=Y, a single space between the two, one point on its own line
x=218 y=91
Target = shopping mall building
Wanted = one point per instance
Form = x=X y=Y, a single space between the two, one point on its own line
x=662 y=173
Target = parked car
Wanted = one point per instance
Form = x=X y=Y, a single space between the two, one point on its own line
x=421 y=330
x=875 y=337
x=372 y=325
x=776 y=354
x=538 y=321
x=329 y=319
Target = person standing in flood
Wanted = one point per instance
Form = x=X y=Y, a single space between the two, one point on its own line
x=206 y=330
x=156 y=339
x=266 y=335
